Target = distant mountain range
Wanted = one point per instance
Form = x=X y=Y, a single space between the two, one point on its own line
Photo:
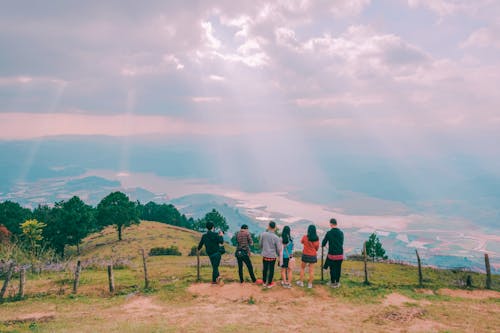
x=451 y=217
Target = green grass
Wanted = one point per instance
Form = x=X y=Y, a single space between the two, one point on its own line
x=170 y=277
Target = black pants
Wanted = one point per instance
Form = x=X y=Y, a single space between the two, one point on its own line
x=335 y=269
x=215 y=262
x=248 y=262
x=268 y=271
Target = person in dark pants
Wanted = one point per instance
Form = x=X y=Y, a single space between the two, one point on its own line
x=212 y=242
x=335 y=240
x=270 y=245
x=244 y=241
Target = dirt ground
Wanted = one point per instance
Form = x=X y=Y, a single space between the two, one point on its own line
x=245 y=307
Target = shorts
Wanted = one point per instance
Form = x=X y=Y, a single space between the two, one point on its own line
x=285 y=262
x=309 y=259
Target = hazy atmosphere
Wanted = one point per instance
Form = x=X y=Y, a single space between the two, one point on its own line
x=384 y=114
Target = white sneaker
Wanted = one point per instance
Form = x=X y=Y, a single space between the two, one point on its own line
x=329 y=283
x=300 y=283
x=309 y=285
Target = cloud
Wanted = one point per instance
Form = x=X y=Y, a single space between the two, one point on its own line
x=206 y=99
x=293 y=62
x=348 y=99
x=482 y=38
x=19 y=126
x=348 y=7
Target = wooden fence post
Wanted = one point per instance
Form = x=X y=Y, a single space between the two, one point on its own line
x=420 y=277
x=111 y=279
x=198 y=279
x=468 y=281
x=488 y=271
x=7 y=280
x=22 y=281
x=146 y=280
x=322 y=263
x=77 y=277
x=366 y=269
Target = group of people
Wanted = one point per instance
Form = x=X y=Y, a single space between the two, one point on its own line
x=275 y=248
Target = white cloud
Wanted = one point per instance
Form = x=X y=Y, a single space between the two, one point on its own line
x=482 y=38
x=211 y=41
x=216 y=78
x=444 y=8
x=348 y=7
x=31 y=80
x=441 y=7
x=206 y=99
x=331 y=101
x=171 y=59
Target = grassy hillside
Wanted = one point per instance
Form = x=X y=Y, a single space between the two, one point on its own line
x=146 y=235
x=175 y=302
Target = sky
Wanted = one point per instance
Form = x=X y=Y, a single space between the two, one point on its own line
x=220 y=68
x=284 y=82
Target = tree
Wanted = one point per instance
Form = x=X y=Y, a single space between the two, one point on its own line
x=67 y=223
x=78 y=220
x=33 y=235
x=216 y=218
x=4 y=234
x=12 y=215
x=374 y=248
x=165 y=213
x=53 y=233
x=116 y=209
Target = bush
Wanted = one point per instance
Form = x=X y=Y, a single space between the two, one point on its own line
x=203 y=252
x=165 y=251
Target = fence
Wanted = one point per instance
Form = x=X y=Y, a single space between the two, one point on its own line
x=9 y=270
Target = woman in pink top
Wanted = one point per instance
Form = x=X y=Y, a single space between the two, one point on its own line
x=309 y=255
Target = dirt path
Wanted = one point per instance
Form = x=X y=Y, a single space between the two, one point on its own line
x=243 y=308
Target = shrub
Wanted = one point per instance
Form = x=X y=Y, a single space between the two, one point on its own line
x=165 y=251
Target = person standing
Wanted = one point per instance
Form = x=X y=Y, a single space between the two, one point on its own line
x=270 y=245
x=286 y=253
x=309 y=255
x=244 y=241
x=335 y=240
x=212 y=242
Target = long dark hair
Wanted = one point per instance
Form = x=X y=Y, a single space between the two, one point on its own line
x=285 y=235
x=312 y=236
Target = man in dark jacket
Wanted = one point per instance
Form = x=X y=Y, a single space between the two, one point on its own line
x=335 y=240
x=212 y=242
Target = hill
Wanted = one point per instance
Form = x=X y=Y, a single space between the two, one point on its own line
x=145 y=235
x=175 y=302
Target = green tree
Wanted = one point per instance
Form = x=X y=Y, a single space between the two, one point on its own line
x=116 y=209
x=78 y=219
x=67 y=223
x=374 y=248
x=53 y=234
x=32 y=232
x=166 y=213
x=12 y=215
x=216 y=218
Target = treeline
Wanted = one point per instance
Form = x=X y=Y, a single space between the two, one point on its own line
x=69 y=222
